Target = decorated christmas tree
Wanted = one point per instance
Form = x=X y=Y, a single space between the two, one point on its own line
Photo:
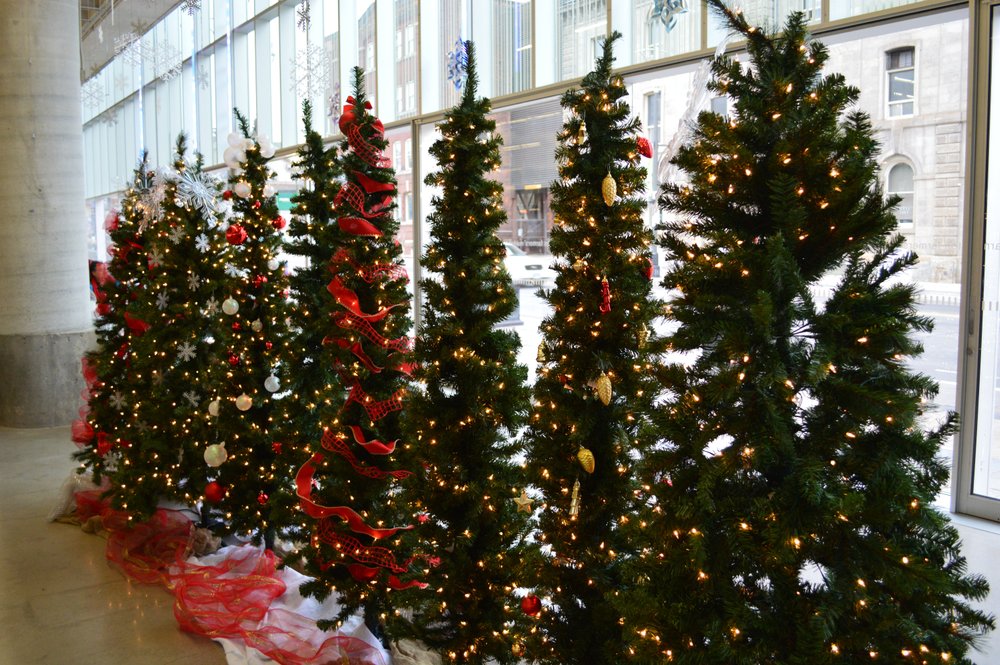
x=316 y=391
x=594 y=383
x=474 y=400
x=107 y=422
x=790 y=510
x=174 y=356
x=249 y=477
x=349 y=487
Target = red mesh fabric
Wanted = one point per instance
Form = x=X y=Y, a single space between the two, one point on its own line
x=368 y=273
x=232 y=599
x=337 y=444
x=376 y=410
x=351 y=322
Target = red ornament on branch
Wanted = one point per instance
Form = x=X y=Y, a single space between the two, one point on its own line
x=647 y=270
x=605 y=296
x=236 y=235
x=214 y=492
x=227 y=195
x=262 y=498
x=103 y=444
x=278 y=223
x=234 y=359
x=531 y=605
x=645 y=148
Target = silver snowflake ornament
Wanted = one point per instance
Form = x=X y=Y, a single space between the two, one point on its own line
x=311 y=71
x=194 y=282
x=92 y=94
x=211 y=305
x=667 y=12
x=162 y=300
x=156 y=258
x=176 y=234
x=117 y=400
x=192 y=398
x=233 y=271
x=142 y=425
x=304 y=17
x=192 y=7
x=198 y=191
x=185 y=351
x=202 y=243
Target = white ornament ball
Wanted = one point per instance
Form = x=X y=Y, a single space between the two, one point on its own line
x=215 y=454
x=243 y=402
x=272 y=384
x=273 y=264
x=256 y=325
x=266 y=149
x=242 y=189
x=269 y=190
x=233 y=157
x=213 y=407
x=230 y=306
x=235 y=139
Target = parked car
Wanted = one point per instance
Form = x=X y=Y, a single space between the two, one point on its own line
x=528 y=269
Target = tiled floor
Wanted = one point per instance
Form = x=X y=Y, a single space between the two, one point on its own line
x=60 y=603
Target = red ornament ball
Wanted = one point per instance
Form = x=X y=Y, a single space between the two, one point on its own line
x=647 y=269
x=234 y=359
x=262 y=498
x=236 y=325
x=368 y=105
x=268 y=345
x=531 y=605
x=227 y=195
x=645 y=149
x=258 y=280
x=278 y=223
x=236 y=235
x=214 y=492
x=256 y=205
x=276 y=447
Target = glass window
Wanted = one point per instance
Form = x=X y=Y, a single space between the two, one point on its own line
x=901 y=80
x=845 y=8
x=900 y=183
x=442 y=24
x=657 y=28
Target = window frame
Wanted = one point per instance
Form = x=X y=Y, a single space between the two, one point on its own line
x=889 y=103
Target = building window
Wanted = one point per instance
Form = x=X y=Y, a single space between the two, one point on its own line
x=720 y=106
x=900 y=183
x=407 y=156
x=901 y=72
x=397 y=155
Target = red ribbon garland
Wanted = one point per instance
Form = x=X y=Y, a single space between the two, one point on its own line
x=303 y=488
x=351 y=322
x=376 y=410
x=348 y=299
x=358 y=227
x=371 y=273
x=337 y=444
x=373 y=447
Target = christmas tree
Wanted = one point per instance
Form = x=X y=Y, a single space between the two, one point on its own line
x=790 y=514
x=349 y=486
x=475 y=399
x=316 y=392
x=107 y=422
x=249 y=477
x=173 y=358
x=594 y=382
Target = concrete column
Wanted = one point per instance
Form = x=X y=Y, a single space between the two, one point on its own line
x=45 y=311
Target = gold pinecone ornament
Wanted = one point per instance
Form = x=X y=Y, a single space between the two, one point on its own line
x=586 y=459
x=609 y=189
x=603 y=388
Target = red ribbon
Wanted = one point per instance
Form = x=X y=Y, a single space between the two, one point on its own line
x=136 y=325
x=369 y=273
x=303 y=488
x=373 y=447
x=376 y=410
x=351 y=322
x=358 y=352
x=358 y=227
x=337 y=444
x=348 y=299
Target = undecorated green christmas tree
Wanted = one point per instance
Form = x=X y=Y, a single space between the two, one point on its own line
x=175 y=355
x=474 y=400
x=790 y=510
x=595 y=376
x=350 y=486
x=250 y=482
x=316 y=391
x=108 y=423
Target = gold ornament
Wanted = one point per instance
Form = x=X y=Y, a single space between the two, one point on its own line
x=541 y=353
x=643 y=335
x=581 y=134
x=586 y=459
x=579 y=265
x=603 y=387
x=574 y=502
x=517 y=649
x=523 y=503
x=609 y=189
